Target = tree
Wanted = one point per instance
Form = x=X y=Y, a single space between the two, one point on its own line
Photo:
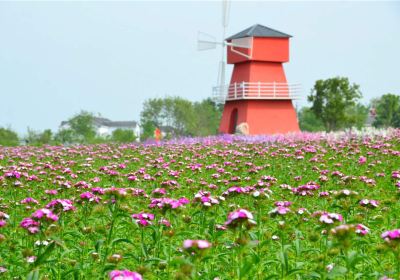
x=356 y=115
x=39 y=138
x=208 y=116
x=180 y=117
x=8 y=137
x=123 y=135
x=330 y=98
x=387 y=110
x=83 y=127
x=65 y=136
x=172 y=112
x=308 y=121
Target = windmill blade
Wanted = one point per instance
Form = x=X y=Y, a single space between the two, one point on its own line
x=221 y=75
x=205 y=45
x=206 y=41
x=226 y=5
x=245 y=43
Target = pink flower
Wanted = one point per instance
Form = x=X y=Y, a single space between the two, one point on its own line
x=65 y=204
x=164 y=222
x=362 y=160
x=238 y=217
x=391 y=234
x=90 y=197
x=45 y=213
x=51 y=192
x=124 y=275
x=369 y=203
x=283 y=203
x=168 y=203
x=328 y=218
x=29 y=200
x=143 y=219
x=196 y=244
x=361 y=229
x=31 y=225
x=159 y=192
x=280 y=210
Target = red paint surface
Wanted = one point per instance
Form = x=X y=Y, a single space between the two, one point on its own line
x=265 y=66
x=264 y=49
x=262 y=116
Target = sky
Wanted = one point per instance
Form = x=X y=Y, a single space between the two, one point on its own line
x=58 y=58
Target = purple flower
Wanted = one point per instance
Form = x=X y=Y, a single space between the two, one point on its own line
x=205 y=198
x=192 y=245
x=29 y=200
x=143 y=219
x=238 y=217
x=159 y=192
x=168 y=203
x=283 y=203
x=44 y=213
x=51 y=192
x=361 y=229
x=362 y=160
x=64 y=204
x=307 y=189
x=391 y=234
x=328 y=218
x=124 y=275
x=164 y=222
x=369 y=203
x=30 y=225
x=280 y=210
x=90 y=197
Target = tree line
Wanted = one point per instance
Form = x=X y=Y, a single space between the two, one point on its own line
x=334 y=105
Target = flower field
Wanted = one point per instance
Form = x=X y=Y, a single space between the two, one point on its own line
x=304 y=206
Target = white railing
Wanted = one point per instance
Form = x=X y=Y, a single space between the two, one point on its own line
x=256 y=90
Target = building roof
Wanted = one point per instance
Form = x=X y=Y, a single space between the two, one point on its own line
x=99 y=121
x=258 y=30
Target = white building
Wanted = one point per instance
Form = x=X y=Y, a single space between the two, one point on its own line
x=104 y=127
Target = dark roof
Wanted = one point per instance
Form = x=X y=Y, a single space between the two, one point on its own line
x=259 y=30
x=99 y=121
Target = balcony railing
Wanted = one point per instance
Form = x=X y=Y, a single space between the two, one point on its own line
x=256 y=90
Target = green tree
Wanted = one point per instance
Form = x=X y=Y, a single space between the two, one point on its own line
x=39 y=138
x=148 y=128
x=387 y=109
x=208 y=116
x=8 y=137
x=65 y=136
x=356 y=115
x=83 y=127
x=180 y=116
x=174 y=112
x=123 y=135
x=308 y=121
x=330 y=98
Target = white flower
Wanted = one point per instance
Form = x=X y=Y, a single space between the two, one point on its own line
x=330 y=266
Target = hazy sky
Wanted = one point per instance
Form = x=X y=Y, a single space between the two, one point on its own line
x=108 y=57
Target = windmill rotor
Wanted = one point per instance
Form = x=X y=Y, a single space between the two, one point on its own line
x=206 y=41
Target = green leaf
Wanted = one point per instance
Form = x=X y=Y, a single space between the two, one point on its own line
x=33 y=275
x=120 y=240
x=43 y=257
x=336 y=272
x=98 y=244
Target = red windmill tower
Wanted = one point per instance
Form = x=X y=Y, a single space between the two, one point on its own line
x=258 y=94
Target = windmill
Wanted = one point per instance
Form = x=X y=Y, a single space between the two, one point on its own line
x=207 y=41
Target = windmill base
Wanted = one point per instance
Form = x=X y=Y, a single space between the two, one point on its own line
x=262 y=116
